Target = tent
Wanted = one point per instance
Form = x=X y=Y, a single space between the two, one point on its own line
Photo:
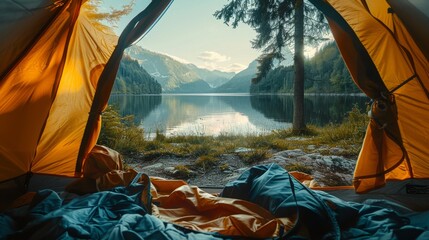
x=385 y=48
x=57 y=71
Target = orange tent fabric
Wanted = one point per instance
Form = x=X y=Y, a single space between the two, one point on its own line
x=386 y=51
x=56 y=68
x=188 y=206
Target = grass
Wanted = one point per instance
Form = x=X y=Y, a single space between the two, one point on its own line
x=121 y=134
x=299 y=167
x=254 y=156
x=206 y=162
x=182 y=171
x=351 y=131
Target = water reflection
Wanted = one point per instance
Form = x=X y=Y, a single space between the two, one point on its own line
x=318 y=109
x=211 y=114
x=139 y=106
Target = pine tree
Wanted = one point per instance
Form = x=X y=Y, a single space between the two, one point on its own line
x=279 y=24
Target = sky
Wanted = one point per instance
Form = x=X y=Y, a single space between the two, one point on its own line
x=189 y=33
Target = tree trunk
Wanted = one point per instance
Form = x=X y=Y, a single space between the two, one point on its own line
x=298 y=91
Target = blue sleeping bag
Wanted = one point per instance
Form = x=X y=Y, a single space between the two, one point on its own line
x=116 y=214
x=321 y=215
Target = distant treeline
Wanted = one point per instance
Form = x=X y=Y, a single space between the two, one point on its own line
x=133 y=79
x=324 y=73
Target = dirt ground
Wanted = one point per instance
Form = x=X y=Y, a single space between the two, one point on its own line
x=229 y=168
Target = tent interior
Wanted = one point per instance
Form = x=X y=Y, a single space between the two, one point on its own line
x=57 y=72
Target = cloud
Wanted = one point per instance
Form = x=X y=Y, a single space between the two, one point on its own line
x=235 y=67
x=216 y=61
x=179 y=59
x=210 y=56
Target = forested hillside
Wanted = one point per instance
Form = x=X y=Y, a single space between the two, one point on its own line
x=175 y=76
x=324 y=73
x=133 y=79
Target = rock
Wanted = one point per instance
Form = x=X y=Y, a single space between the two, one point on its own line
x=297 y=138
x=170 y=170
x=156 y=165
x=305 y=158
x=336 y=150
x=342 y=165
x=291 y=153
x=278 y=158
x=314 y=156
x=311 y=147
x=323 y=149
x=232 y=177
x=326 y=160
x=326 y=170
x=243 y=150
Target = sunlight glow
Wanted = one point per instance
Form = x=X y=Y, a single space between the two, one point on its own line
x=215 y=125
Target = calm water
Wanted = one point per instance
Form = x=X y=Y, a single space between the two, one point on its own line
x=214 y=114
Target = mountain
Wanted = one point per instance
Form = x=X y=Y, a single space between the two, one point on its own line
x=175 y=76
x=132 y=78
x=214 y=78
x=240 y=83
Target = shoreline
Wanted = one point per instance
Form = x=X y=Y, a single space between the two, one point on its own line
x=240 y=94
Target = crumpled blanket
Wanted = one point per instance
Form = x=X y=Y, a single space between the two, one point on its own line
x=120 y=214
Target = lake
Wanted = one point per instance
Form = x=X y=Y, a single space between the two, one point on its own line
x=215 y=114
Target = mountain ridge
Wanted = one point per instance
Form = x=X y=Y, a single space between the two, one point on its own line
x=241 y=82
x=175 y=76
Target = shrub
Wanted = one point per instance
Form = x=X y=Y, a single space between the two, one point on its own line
x=200 y=150
x=153 y=145
x=255 y=156
x=159 y=136
x=280 y=144
x=182 y=171
x=351 y=130
x=287 y=133
x=120 y=133
x=206 y=162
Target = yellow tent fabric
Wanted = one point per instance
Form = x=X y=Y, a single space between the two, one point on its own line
x=386 y=51
x=31 y=83
x=56 y=68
